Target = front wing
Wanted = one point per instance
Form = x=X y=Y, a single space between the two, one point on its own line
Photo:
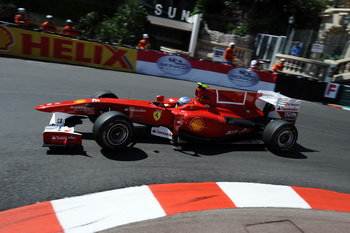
x=57 y=134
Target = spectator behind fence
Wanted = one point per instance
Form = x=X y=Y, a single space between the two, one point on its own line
x=256 y=64
x=21 y=18
x=48 y=24
x=295 y=50
x=278 y=67
x=229 y=54
x=69 y=29
x=144 y=43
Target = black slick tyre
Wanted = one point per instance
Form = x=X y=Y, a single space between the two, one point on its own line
x=113 y=131
x=101 y=94
x=280 y=136
x=104 y=94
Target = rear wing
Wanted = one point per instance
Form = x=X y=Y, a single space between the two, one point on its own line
x=276 y=105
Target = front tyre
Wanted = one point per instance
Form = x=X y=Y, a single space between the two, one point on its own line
x=101 y=94
x=113 y=131
x=104 y=94
x=280 y=136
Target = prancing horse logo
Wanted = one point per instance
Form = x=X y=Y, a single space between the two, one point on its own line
x=157 y=114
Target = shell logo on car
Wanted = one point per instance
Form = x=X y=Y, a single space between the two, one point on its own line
x=197 y=124
x=80 y=101
x=6 y=39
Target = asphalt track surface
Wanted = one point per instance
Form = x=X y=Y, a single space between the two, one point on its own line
x=30 y=173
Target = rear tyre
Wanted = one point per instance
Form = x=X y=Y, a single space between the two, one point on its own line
x=101 y=94
x=280 y=136
x=113 y=131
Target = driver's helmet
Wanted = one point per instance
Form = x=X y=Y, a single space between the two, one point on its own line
x=183 y=100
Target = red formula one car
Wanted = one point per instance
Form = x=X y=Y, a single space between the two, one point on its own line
x=214 y=115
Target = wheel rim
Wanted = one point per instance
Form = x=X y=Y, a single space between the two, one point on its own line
x=117 y=134
x=285 y=139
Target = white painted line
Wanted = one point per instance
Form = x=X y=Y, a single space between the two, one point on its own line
x=100 y=211
x=262 y=195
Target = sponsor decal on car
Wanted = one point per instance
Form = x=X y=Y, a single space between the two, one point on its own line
x=58 y=137
x=289 y=116
x=162 y=131
x=78 y=108
x=132 y=109
x=157 y=114
x=243 y=77
x=174 y=65
x=245 y=130
x=231 y=132
x=59 y=121
x=80 y=101
x=197 y=124
x=290 y=107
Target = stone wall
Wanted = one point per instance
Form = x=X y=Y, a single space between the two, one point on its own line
x=246 y=42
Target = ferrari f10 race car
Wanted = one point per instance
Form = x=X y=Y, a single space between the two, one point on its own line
x=213 y=115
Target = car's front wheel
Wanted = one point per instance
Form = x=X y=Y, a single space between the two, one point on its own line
x=113 y=131
x=280 y=136
x=101 y=94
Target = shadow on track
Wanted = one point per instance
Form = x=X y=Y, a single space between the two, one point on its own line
x=67 y=151
x=296 y=152
x=127 y=155
x=193 y=149
x=198 y=150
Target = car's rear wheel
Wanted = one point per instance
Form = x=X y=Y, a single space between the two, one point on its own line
x=101 y=94
x=113 y=131
x=280 y=136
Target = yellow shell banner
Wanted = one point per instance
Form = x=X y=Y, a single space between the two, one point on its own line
x=54 y=47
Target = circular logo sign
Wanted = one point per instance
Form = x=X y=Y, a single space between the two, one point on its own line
x=243 y=77
x=197 y=124
x=174 y=65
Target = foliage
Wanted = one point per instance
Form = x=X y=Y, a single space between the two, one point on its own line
x=242 y=30
x=126 y=26
x=64 y=9
x=330 y=57
x=239 y=16
x=209 y=6
x=88 y=24
x=268 y=16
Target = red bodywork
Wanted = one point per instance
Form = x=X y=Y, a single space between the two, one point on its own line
x=213 y=114
x=203 y=117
